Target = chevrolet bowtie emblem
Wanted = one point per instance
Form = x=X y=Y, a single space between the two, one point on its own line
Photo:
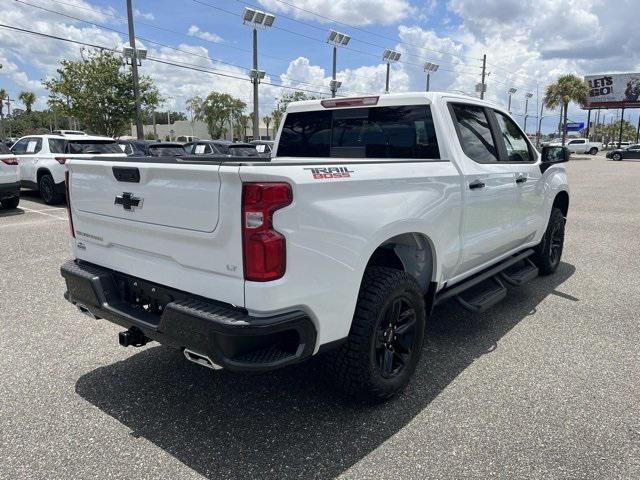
x=128 y=201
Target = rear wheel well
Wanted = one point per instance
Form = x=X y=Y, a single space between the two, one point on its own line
x=409 y=252
x=562 y=202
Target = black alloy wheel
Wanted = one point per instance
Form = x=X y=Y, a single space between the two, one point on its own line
x=395 y=337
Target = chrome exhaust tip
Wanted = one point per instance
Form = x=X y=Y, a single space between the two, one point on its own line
x=200 y=359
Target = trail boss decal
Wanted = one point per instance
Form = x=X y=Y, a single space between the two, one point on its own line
x=323 y=173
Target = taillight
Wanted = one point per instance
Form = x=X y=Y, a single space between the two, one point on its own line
x=61 y=160
x=10 y=161
x=264 y=248
x=67 y=189
x=349 y=102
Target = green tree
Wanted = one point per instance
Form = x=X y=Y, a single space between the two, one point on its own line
x=283 y=101
x=568 y=88
x=98 y=90
x=28 y=99
x=267 y=121
x=218 y=111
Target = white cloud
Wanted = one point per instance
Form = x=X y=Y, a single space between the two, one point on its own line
x=354 y=12
x=145 y=15
x=194 y=31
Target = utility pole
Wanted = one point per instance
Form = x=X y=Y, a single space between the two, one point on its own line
x=430 y=68
x=484 y=71
x=134 y=71
x=386 y=88
x=621 y=125
x=336 y=39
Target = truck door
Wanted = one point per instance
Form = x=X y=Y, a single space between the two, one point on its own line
x=489 y=188
x=522 y=158
x=577 y=146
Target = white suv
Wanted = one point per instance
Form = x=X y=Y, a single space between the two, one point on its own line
x=9 y=179
x=42 y=159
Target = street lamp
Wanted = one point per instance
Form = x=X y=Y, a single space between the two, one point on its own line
x=336 y=39
x=256 y=18
x=390 y=56
x=526 y=110
x=430 y=68
x=511 y=92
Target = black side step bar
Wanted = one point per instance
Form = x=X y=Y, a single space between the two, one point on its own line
x=478 y=278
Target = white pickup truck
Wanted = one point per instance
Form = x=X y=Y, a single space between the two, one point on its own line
x=370 y=212
x=579 y=145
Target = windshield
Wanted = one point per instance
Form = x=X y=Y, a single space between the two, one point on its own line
x=166 y=150
x=92 y=146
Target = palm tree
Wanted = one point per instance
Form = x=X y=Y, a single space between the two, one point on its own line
x=568 y=88
x=276 y=115
x=28 y=98
x=267 y=122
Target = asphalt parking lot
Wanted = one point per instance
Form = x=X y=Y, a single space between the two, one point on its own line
x=544 y=385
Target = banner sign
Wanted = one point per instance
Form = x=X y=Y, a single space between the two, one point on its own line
x=615 y=90
x=575 y=127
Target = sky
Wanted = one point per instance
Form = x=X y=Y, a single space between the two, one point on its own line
x=528 y=44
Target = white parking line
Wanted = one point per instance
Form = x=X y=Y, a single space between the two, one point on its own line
x=41 y=213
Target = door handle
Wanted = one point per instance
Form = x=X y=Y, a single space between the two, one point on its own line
x=476 y=184
x=521 y=179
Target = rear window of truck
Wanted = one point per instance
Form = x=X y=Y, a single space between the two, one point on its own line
x=405 y=132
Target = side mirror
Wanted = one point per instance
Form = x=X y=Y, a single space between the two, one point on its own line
x=553 y=155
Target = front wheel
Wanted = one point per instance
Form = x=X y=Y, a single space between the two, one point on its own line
x=47 y=188
x=10 y=203
x=549 y=251
x=386 y=337
x=617 y=157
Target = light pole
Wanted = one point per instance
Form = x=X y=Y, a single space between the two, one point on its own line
x=511 y=92
x=389 y=56
x=336 y=39
x=256 y=18
x=430 y=68
x=526 y=110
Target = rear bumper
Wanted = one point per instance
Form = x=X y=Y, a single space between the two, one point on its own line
x=9 y=190
x=227 y=335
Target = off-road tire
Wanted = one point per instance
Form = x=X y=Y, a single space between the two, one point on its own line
x=549 y=250
x=10 y=203
x=354 y=365
x=47 y=189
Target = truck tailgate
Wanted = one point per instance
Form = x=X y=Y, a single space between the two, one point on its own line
x=173 y=222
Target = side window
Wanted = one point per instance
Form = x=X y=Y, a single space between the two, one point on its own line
x=474 y=133
x=56 y=145
x=517 y=147
x=20 y=148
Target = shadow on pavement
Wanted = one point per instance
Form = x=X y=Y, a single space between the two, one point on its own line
x=290 y=423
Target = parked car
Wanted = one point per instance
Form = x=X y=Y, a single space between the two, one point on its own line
x=186 y=139
x=221 y=147
x=579 y=145
x=42 y=160
x=632 y=151
x=151 y=148
x=9 y=179
x=371 y=211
